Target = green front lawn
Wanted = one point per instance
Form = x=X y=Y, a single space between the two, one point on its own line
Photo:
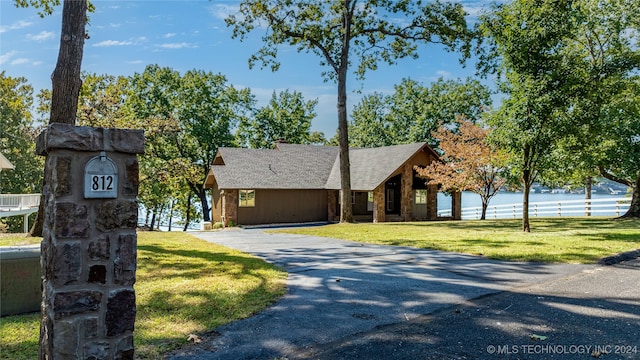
x=569 y=240
x=184 y=286
x=18 y=240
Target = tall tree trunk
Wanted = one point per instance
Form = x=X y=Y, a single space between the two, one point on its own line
x=188 y=220
x=634 y=207
x=346 y=209
x=526 y=227
x=153 y=220
x=588 y=184
x=485 y=204
x=66 y=76
x=527 y=175
x=173 y=203
x=201 y=192
x=65 y=79
x=206 y=209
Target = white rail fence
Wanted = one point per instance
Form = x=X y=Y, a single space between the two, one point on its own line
x=19 y=201
x=584 y=207
x=19 y=204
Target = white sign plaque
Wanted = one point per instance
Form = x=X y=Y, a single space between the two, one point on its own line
x=100 y=178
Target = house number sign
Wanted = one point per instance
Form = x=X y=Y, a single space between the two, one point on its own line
x=100 y=178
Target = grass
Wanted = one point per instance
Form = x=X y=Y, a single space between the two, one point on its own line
x=18 y=239
x=184 y=286
x=567 y=240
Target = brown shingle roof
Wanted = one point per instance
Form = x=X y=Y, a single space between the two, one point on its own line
x=287 y=167
x=370 y=167
x=292 y=166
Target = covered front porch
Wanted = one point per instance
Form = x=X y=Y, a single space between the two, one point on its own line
x=402 y=197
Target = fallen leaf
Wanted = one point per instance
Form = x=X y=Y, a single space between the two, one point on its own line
x=194 y=338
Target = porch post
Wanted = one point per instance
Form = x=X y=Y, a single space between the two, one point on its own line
x=332 y=205
x=230 y=206
x=378 y=204
x=432 y=202
x=406 y=192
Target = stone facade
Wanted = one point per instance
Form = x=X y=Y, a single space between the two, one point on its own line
x=229 y=206
x=332 y=205
x=379 y=204
x=88 y=251
x=406 y=193
x=432 y=202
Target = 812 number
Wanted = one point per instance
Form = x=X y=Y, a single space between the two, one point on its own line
x=102 y=182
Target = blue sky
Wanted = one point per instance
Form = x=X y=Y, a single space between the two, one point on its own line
x=125 y=36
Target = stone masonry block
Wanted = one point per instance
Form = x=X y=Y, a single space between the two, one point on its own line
x=121 y=312
x=131 y=177
x=67 y=264
x=116 y=214
x=125 y=140
x=71 y=220
x=66 y=342
x=125 y=349
x=62 y=184
x=99 y=248
x=125 y=264
x=76 y=302
x=91 y=328
x=98 y=350
x=84 y=138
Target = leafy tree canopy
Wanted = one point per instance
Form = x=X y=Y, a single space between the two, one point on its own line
x=414 y=111
x=287 y=117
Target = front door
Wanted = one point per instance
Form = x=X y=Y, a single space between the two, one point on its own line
x=391 y=199
x=392 y=195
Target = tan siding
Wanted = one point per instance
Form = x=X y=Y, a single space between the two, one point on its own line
x=216 y=205
x=285 y=206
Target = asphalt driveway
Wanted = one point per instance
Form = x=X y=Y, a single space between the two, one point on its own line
x=350 y=300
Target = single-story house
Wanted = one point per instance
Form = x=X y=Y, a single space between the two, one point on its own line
x=301 y=183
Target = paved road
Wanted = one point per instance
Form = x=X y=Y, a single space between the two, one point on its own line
x=349 y=300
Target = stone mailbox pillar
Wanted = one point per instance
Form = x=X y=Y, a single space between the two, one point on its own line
x=88 y=253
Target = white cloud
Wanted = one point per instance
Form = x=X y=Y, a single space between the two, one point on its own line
x=169 y=35
x=113 y=43
x=5 y=57
x=20 y=61
x=41 y=36
x=181 y=45
x=443 y=74
x=135 y=62
x=222 y=11
x=15 y=26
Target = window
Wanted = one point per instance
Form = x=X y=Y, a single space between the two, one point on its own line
x=353 y=197
x=370 y=201
x=421 y=196
x=247 y=198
